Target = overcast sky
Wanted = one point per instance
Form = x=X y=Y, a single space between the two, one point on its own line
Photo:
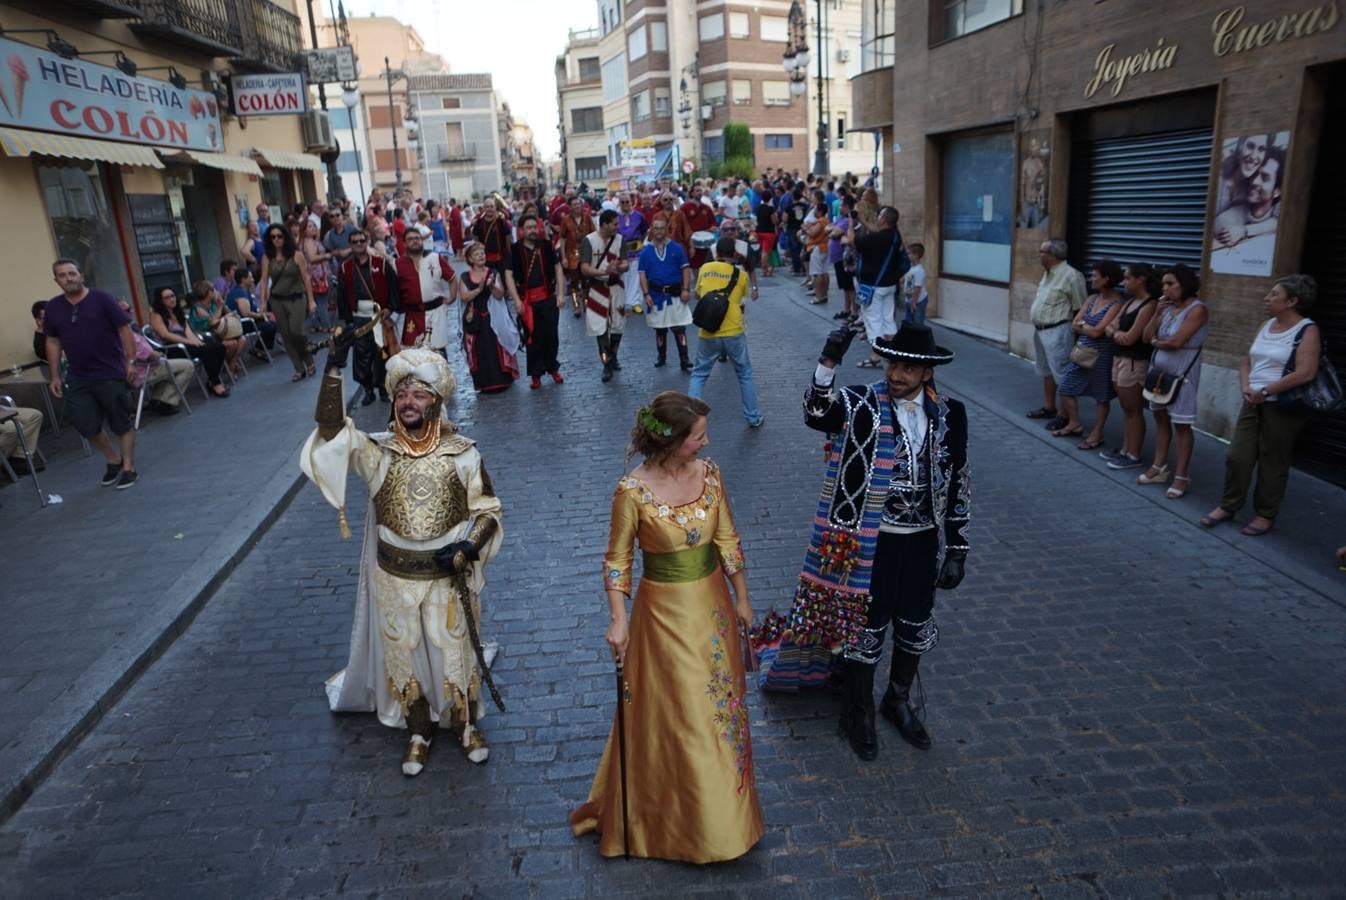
x=517 y=41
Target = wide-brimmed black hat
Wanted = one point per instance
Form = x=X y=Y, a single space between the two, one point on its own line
x=913 y=343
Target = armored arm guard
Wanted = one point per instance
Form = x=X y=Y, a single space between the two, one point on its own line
x=330 y=414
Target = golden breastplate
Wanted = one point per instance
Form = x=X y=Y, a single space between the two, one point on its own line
x=421 y=499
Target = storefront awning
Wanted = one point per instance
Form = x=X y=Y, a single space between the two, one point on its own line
x=286 y=159
x=18 y=142
x=226 y=161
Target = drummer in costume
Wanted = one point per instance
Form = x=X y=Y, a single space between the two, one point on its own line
x=425 y=284
x=891 y=525
x=665 y=282
x=602 y=264
x=368 y=285
x=416 y=656
x=575 y=227
x=534 y=280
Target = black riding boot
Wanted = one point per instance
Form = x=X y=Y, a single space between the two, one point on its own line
x=661 y=347
x=680 y=338
x=615 y=341
x=858 y=720
x=896 y=704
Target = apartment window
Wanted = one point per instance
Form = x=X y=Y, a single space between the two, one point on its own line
x=453 y=132
x=640 y=106
x=586 y=118
x=589 y=70
x=658 y=37
x=663 y=102
x=610 y=13
x=614 y=78
x=738 y=25
x=962 y=17
x=774 y=28
x=452 y=102
x=776 y=93
x=591 y=168
x=841 y=132
x=635 y=44
x=713 y=93
x=978 y=198
x=876 y=34
x=711 y=28
x=379 y=115
x=778 y=141
x=742 y=92
x=713 y=147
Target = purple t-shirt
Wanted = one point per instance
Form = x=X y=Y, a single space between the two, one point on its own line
x=835 y=249
x=88 y=332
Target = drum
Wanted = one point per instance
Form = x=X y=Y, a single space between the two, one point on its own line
x=703 y=240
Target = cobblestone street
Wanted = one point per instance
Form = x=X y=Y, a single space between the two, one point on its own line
x=1122 y=704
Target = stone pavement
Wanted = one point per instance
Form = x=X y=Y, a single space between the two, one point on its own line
x=1123 y=704
x=94 y=586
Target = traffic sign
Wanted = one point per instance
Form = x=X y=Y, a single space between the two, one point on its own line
x=688 y=166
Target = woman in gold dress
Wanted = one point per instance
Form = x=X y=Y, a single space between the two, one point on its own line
x=692 y=795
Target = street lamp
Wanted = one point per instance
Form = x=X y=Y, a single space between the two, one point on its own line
x=335 y=191
x=685 y=106
x=796 y=63
x=350 y=98
x=392 y=74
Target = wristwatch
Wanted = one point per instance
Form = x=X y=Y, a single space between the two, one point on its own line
x=1265 y=392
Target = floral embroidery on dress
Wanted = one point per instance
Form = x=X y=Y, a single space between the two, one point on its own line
x=731 y=711
x=732 y=560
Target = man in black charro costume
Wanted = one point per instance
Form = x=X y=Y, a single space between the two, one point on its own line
x=896 y=504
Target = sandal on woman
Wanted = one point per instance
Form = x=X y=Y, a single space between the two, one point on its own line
x=1174 y=492
x=298 y=376
x=310 y=370
x=1068 y=431
x=1153 y=475
x=1210 y=520
x=1252 y=530
x=1089 y=444
x=222 y=392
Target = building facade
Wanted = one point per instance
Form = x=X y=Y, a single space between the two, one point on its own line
x=459 y=118
x=136 y=169
x=1135 y=130
x=579 y=102
x=525 y=168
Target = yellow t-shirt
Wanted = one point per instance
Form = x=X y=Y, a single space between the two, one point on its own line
x=715 y=276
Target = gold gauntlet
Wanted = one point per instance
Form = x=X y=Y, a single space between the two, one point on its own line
x=479 y=535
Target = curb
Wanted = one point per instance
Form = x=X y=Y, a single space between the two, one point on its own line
x=82 y=706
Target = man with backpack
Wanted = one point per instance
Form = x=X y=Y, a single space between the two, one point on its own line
x=720 y=289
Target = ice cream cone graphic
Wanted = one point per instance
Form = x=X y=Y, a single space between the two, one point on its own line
x=20 y=80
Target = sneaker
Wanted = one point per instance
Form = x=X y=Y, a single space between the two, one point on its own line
x=842 y=315
x=1111 y=455
x=126 y=479
x=1125 y=461
x=757 y=423
x=111 y=474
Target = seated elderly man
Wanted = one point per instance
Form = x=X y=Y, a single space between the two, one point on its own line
x=30 y=420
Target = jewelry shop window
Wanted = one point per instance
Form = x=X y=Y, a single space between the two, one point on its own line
x=977 y=193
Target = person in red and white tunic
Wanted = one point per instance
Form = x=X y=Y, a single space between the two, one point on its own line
x=425 y=283
x=603 y=265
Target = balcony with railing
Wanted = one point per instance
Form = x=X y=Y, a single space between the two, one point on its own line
x=271 y=37
x=455 y=153
x=206 y=26
x=108 y=9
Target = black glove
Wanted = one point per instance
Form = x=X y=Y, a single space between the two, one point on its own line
x=342 y=339
x=951 y=573
x=446 y=556
x=838 y=342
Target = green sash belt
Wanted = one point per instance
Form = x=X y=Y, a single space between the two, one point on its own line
x=692 y=564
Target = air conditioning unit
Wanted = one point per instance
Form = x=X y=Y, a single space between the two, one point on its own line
x=317 y=128
x=843 y=54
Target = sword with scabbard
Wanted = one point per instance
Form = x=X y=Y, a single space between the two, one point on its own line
x=340 y=333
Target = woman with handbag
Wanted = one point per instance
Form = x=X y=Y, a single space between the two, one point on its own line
x=319 y=275
x=676 y=778
x=170 y=327
x=1090 y=368
x=211 y=319
x=1177 y=333
x=1283 y=356
x=287 y=292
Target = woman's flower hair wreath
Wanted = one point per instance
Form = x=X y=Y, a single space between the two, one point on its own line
x=646 y=418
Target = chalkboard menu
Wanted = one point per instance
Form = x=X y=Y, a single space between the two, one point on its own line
x=156 y=241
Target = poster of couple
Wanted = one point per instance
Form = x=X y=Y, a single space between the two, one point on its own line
x=1252 y=172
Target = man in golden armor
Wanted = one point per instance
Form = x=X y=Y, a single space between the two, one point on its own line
x=416 y=654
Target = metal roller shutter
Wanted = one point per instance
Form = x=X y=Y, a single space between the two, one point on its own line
x=1322 y=446
x=1140 y=199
